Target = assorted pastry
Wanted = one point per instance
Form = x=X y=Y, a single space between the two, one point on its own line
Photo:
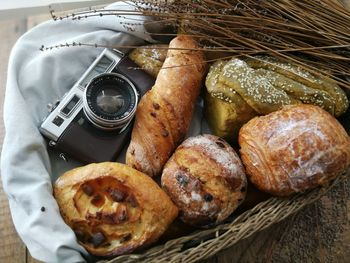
x=164 y=113
x=282 y=118
x=238 y=90
x=112 y=208
x=294 y=149
x=150 y=58
x=205 y=178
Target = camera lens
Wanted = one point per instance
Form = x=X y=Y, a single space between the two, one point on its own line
x=110 y=101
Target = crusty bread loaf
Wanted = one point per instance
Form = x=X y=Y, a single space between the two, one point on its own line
x=164 y=113
x=294 y=149
x=205 y=178
x=112 y=208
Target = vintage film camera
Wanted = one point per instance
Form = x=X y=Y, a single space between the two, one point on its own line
x=93 y=120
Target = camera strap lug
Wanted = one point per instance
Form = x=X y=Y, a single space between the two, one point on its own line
x=52 y=143
x=63 y=157
x=122 y=54
x=51 y=107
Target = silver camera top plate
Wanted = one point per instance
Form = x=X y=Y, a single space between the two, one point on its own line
x=64 y=113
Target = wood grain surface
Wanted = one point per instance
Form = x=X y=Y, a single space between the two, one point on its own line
x=318 y=233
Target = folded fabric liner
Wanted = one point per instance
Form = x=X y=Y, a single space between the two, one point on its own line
x=36 y=78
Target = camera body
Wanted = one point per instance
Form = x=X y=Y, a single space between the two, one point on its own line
x=93 y=120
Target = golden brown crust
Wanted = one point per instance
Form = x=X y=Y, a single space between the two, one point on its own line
x=239 y=90
x=205 y=179
x=112 y=208
x=150 y=58
x=164 y=113
x=297 y=148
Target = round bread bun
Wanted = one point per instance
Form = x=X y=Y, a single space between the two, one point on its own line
x=205 y=179
x=294 y=149
x=112 y=208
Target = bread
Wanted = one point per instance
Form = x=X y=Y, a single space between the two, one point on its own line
x=309 y=80
x=112 y=208
x=238 y=90
x=226 y=118
x=256 y=90
x=150 y=58
x=294 y=149
x=164 y=113
x=205 y=179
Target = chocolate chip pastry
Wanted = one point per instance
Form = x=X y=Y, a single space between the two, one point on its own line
x=205 y=178
x=112 y=208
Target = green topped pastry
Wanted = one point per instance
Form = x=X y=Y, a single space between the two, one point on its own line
x=238 y=90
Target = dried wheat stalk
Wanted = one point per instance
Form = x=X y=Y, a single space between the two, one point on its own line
x=312 y=34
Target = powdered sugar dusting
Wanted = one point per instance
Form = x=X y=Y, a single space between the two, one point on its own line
x=196 y=197
x=221 y=155
x=307 y=159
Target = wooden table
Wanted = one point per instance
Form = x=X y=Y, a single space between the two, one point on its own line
x=318 y=233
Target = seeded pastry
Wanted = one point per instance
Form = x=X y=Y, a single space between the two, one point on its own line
x=238 y=90
x=301 y=75
x=150 y=58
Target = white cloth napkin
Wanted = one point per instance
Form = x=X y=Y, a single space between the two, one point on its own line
x=36 y=78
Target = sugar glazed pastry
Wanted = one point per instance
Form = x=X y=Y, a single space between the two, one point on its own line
x=112 y=208
x=164 y=113
x=150 y=58
x=294 y=149
x=238 y=90
x=205 y=178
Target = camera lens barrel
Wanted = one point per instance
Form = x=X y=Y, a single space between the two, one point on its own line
x=110 y=101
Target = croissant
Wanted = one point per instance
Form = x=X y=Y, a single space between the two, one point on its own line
x=112 y=208
x=164 y=113
x=294 y=149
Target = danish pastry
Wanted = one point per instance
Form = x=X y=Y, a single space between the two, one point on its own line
x=112 y=208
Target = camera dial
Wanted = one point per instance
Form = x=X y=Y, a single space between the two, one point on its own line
x=110 y=101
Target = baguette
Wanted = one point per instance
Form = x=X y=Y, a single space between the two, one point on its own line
x=164 y=113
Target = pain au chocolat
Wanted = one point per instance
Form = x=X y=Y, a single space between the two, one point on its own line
x=294 y=149
x=112 y=208
x=205 y=178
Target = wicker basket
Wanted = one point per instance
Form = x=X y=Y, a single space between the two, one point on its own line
x=203 y=244
x=206 y=243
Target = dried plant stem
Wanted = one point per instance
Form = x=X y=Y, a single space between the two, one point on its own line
x=313 y=34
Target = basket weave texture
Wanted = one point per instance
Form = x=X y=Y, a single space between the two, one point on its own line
x=206 y=243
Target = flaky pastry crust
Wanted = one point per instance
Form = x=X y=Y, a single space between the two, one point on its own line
x=294 y=149
x=205 y=178
x=112 y=208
